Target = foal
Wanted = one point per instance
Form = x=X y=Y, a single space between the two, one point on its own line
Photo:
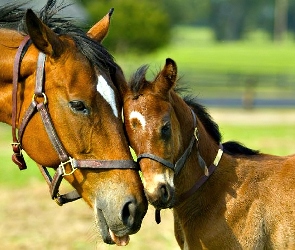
x=224 y=196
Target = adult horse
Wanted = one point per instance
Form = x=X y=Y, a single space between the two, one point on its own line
x=224 y=196
x=58 y=89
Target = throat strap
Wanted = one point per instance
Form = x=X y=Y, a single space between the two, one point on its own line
x=197 y=185
x=17 y=156
x=203 y=178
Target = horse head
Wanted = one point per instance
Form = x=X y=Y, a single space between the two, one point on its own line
x=81 y=101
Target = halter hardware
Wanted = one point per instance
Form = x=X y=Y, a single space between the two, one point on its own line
x=41 y=107
x=35 y=96
x=62 y=166
x=18 y=146
x=196 y=133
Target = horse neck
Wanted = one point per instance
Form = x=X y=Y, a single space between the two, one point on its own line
x=9 y=43
x=205 y=146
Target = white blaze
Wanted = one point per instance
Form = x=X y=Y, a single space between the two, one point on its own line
x=139 y=117
x=107 y=93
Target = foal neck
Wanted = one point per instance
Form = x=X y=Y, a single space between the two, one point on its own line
x=205 y=148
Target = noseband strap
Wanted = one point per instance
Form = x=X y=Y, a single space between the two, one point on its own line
x=181 y=161
x=39 y=104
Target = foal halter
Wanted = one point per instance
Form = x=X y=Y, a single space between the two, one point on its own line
x=177 y=167
x=41 y=107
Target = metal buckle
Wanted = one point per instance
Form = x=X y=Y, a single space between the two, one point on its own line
x=62 y=165
x=19 y=148
x=57 y=199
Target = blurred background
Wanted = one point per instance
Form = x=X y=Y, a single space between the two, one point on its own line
x=236 y=56
x=243 y=46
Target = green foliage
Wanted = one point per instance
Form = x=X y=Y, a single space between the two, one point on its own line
x=136 y=25
x=187 y=12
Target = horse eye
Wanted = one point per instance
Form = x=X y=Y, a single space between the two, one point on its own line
x=79 y=107
x=166 y=130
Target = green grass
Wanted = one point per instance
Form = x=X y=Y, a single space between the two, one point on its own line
x=194 y=49
x=210 y=69
x=9 y=172
x=269 y=139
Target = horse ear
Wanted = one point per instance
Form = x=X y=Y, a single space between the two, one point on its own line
x=167 y=76
x=42 y=36
x=120 y=81
x=99 y=30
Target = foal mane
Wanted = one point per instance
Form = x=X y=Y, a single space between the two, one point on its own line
x=230 y=147
x=138 y=81
x=12 y=17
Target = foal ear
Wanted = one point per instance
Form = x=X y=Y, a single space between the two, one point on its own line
x=42 y=36
x=99 y=30
x=167 y=76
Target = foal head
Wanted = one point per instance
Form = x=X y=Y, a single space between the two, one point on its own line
x=80 y=85
x=153 y=126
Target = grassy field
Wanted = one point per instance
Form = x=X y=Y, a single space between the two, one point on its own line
x=210 y=69
x=194 y=49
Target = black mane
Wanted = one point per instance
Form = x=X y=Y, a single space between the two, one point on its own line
x=137 y=80
x=231 y=147
x=12 y=17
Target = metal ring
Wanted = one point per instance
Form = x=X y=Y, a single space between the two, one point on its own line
x=196 y=133
x=44 y=96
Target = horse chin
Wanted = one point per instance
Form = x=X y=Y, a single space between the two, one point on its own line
x=108 y=236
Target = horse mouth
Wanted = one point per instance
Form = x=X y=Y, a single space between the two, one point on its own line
x=162 y=199
x=107 y=234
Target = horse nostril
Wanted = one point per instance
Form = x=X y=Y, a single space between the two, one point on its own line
x=165 y=194
x=128 y=213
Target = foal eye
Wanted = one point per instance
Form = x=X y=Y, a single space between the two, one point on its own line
x=166 y=130
x=79 y=107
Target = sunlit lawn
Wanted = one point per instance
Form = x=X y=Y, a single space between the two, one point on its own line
x=195 y=50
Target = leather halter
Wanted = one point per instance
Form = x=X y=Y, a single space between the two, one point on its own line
x=181 y=161
x=41 y=107
x=208 y=171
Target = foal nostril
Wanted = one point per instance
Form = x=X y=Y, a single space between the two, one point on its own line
x=128 y=213
x=165 y=194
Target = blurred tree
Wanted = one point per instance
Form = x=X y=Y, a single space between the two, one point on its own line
x=280 y=19
x=136 y=25
x=228 y=18
x=189 y=12
x=291 y=16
